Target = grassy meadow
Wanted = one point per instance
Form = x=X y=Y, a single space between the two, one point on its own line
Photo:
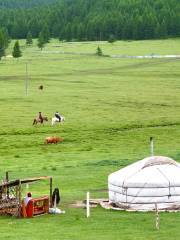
x=112 y=107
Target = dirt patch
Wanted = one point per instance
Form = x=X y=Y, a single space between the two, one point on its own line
x=92 y=202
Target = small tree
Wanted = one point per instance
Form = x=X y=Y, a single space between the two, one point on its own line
x=99 y=51
x=16 y=50
x=111 y=38
x=41 y=41
x=29 y=40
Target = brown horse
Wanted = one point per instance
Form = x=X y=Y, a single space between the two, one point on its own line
x=40 y=120
x=53 y=140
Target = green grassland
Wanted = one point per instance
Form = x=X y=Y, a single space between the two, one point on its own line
x=112 y=107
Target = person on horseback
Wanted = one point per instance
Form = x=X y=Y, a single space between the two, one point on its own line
x=40 y=117
x=58 y=116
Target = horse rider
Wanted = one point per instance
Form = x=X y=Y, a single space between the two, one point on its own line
x=40 y=117
x=57 y=115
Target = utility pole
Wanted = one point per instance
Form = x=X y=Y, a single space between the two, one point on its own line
x=26 y=80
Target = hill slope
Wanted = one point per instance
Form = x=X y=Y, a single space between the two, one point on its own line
x=93 y=19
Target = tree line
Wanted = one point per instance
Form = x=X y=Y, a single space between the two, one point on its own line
x=24 y=3
x=83 y=20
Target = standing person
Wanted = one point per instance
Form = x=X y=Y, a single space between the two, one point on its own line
x=58 y=116
x=27 y=198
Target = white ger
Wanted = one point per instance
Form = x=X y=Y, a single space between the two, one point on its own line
x=142 y=185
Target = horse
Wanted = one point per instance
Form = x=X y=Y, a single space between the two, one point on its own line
x=56 y=120
x=39 y=120
x=53 y=140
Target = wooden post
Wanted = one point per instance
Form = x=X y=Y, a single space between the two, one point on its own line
x=87 y=205
x=157 y=217
x=50 y=194
x=151 y=147
x=19 y=199
x=7 y=176
x=7 y=180
x=54 y=206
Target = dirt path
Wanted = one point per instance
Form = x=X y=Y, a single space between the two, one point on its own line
x=116 y=55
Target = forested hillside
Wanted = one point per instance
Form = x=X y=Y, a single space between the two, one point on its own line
x=24 y=3
x=92 y=19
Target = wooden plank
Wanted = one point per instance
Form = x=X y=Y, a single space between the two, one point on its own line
x=19 y=199
x=50 y=193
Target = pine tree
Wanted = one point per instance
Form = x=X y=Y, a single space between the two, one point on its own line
x=45 y=33
x=3 y=42
x=2 y=46
x=29 y=40
x=68 y=35
x=16 y=50
x=161 y=31
x=111 y=38
x=6 y=37
x=99 y=51
x=41 y=41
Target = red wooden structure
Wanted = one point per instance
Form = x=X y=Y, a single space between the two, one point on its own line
x=37 y=206
x=11 y=202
